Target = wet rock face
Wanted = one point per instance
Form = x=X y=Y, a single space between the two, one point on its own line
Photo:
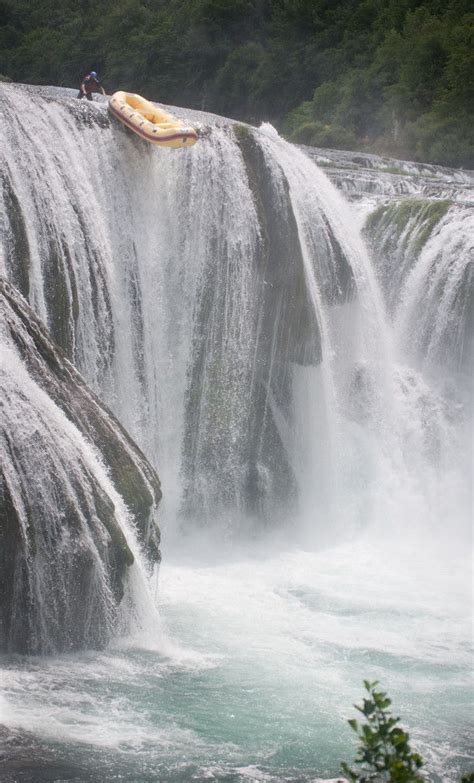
x=27 y=759
x=233 y=452
x=72 y=482
x=287 y=317
x=287 y=332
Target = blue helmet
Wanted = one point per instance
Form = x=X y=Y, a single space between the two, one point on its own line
x=93 y=73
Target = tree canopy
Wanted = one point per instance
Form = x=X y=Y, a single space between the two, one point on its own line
x=394 y=77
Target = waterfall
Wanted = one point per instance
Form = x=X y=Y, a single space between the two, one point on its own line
x=222 y=303
x=285 y=335
x=78 y=535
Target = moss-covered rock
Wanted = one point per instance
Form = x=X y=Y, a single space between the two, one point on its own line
x=64 y=553
x=234 y=454
x=398 y=233
x=286 y=303
x=424 y=213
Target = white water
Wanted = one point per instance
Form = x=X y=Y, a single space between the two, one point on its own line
x=272 y=651
x=432 y=290
x=39 y=441
x=265 y=641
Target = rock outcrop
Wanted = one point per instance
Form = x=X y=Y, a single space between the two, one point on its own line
x=77 y=497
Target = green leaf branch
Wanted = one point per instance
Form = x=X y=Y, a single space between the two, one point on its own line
x=384 y=753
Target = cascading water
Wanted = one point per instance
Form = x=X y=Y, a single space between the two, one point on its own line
x=74 y=550
x=222 y=302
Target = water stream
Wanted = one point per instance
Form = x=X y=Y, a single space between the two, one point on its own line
x=304 y=389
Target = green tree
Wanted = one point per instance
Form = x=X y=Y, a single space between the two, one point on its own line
x=395 y=77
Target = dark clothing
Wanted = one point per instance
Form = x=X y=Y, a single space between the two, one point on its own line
x=89 y=85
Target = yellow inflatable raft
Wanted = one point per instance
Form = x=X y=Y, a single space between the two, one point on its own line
x=149 y=122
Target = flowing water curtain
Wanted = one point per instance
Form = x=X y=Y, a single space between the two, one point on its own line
x=154 y=296
x=57 y=248
x=352 y=398
x=200 y=291
x=78 y=496
x=222 y=354
x=423 y=252
x=439 y=293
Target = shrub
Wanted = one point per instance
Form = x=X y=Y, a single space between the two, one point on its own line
x=384 y=753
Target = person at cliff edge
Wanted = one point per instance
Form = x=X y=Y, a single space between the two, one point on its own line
x=90 y=84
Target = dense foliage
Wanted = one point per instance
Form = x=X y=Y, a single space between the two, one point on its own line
x=393 y=76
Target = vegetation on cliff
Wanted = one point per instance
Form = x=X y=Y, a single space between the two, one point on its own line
x=395 y=77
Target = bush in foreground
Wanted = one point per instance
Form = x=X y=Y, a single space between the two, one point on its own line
x=384 y=752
